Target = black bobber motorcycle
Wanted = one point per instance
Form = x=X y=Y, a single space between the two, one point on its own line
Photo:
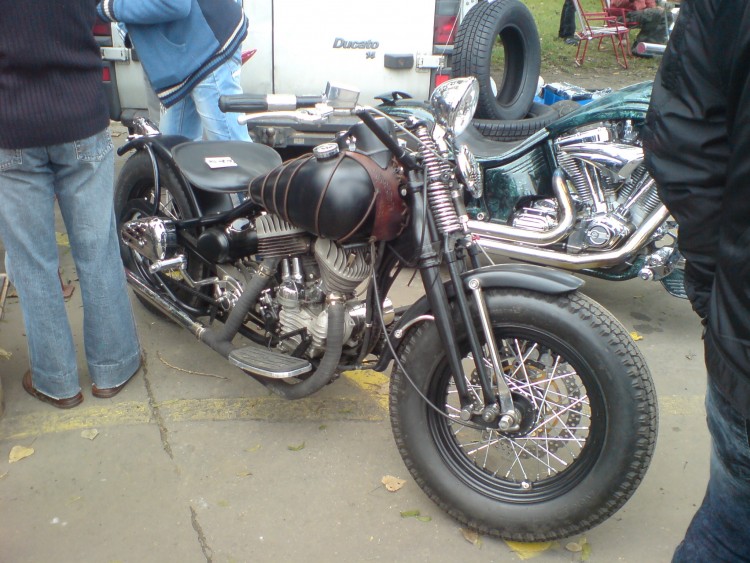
x=519 y=405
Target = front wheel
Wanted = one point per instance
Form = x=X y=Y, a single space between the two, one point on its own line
x=588 y=429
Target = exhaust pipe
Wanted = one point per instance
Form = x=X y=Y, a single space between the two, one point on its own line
x=218 y=339
x=514 y=234
x=174 y=314
x=650 y=48
x=572 y=261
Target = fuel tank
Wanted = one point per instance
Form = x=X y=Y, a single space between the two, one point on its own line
x=337 y=194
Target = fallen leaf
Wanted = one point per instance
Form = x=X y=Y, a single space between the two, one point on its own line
x=322 y=427
x=296 y=448
x=90 y=433
x=471 y=536
x=416 y=515
x=392 y=483
x=574 y=547
x=255 y=448
x=62 y=239
x=244 y=474
x=18 y=453
x=528 y=550
x=635 y=336
x=2 y=475
x=586 y=553
x=5 y=355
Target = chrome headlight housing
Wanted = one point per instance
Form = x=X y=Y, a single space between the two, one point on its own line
x=454 y=103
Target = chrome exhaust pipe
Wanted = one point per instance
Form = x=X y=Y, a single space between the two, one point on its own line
x=573 y=261
x=504 y=232
x=650 y=48
x=175 y=314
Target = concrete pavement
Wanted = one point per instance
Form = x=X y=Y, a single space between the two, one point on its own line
x=195 y=462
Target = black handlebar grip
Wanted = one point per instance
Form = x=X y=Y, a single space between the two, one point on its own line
x=243 y=103
x=308 y=101
x=254 y=103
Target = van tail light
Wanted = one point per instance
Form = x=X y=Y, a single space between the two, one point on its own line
x=445 y=30
x=102 y=28
x=106 y=76
x=440 y=78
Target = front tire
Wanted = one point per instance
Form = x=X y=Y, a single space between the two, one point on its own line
x=588 y=430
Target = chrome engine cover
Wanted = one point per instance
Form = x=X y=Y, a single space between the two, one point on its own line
x=152 y=237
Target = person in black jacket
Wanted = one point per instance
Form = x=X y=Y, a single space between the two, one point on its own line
x=697 y=147
x=55 y=146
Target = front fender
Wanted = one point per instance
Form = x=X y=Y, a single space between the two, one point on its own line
x=504 y=276
x=523 y=276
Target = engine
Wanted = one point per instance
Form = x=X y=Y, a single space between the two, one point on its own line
x=611 y=188
x=311 y=270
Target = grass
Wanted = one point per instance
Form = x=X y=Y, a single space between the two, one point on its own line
x=558 y=57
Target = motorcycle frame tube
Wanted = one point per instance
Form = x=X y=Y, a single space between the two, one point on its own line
x=160 y=147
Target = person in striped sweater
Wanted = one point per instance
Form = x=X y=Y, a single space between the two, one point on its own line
x=55 y=145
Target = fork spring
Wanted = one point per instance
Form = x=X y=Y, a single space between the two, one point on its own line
x=438 y=189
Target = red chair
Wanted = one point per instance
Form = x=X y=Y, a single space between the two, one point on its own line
x=599 y=25
x=621 y=14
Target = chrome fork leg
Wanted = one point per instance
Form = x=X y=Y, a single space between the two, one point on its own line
x=508 y=417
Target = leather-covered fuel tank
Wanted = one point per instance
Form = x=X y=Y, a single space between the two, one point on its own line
x=340 y=195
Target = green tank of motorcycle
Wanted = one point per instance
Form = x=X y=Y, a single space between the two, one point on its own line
x=630 y=102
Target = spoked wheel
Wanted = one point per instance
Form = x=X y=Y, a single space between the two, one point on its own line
x=134 y=198
x=588 y=420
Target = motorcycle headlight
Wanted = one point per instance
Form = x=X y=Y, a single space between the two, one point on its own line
x=454 y=103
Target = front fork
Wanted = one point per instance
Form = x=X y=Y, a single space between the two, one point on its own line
x=496 y=403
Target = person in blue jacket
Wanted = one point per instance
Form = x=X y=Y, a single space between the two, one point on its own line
x=190 y=52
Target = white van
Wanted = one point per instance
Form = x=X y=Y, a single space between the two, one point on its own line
x=299 y=46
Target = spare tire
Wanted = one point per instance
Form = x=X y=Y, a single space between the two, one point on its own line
x=516 y=129
x=514 y=87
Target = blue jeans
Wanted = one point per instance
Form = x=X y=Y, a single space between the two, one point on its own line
x=720 y=529
x=80 y=175
x=197 y=115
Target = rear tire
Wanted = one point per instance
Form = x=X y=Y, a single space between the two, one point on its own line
x=588 y=430
x=134 y=197
x=512 y=23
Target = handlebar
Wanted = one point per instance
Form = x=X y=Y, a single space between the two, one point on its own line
x=254 y=103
